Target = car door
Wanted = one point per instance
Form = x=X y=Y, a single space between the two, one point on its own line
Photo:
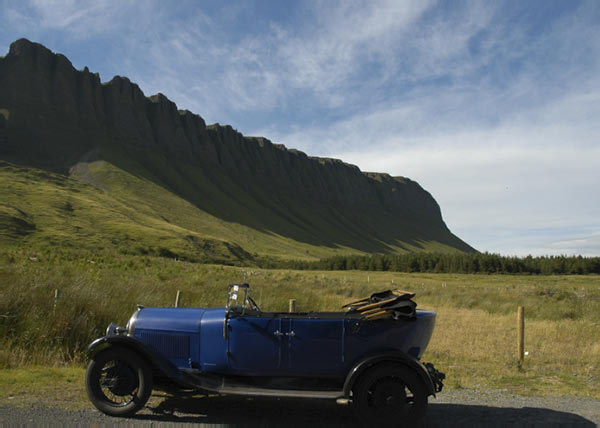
x=314 y=346
x=254 y=344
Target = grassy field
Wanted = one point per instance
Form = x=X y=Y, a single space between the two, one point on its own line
x=474 y=341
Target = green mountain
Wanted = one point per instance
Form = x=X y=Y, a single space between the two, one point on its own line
x=101 y=166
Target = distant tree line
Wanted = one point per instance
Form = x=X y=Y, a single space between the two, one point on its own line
x=448 y=263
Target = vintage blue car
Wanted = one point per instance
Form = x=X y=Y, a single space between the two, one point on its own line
x=367 y=356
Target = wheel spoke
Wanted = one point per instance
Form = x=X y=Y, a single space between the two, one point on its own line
x=118 y=383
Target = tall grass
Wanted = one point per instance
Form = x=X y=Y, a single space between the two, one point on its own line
x=474 y=341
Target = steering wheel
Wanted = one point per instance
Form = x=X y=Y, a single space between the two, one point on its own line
x=252 y=303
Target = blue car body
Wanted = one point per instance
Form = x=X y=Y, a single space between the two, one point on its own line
x=309 y=344
x=240 y=349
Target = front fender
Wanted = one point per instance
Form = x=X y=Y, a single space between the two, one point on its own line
x=396 y=357
x=157 y=361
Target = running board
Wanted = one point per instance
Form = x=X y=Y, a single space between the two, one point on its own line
x=288 y=393
x=222 y=385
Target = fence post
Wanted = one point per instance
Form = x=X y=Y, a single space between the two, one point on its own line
x=521 y=335
x=178 y=299
x=292 y=305
x=56 y=297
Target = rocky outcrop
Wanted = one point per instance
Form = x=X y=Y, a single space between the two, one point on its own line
x=59 y=114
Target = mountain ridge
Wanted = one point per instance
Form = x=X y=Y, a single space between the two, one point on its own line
x=63 y=120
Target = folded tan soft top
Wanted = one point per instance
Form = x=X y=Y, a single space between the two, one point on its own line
x=394 y=304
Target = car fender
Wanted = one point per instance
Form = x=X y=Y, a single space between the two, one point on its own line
x=395 y=357
x=156 y=360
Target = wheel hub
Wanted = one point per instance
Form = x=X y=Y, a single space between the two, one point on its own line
x=392 y=401
x=390 y=395
x=120 y=380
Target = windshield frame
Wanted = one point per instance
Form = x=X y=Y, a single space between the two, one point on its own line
x=237 y=299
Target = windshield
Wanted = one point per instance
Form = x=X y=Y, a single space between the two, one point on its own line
x=239 y=300
x=236 y=297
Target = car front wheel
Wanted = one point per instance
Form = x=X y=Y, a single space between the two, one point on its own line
x=118 y=382
x=390 y=395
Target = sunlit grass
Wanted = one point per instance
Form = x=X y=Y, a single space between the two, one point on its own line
x=480 y=349
x=44 y=386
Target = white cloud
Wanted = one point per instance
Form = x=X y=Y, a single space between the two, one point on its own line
x=280 y=66
x=82 y=19
x=586 y=246
x=334 y=47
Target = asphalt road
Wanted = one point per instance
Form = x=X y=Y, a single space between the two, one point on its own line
x=463 y=408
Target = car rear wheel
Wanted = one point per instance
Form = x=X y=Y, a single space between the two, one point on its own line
x=118 y=382
x=390 y=395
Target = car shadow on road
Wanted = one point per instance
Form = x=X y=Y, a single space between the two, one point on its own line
x=465 y=415
x=228 y=411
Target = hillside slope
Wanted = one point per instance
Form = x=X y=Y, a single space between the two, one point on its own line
x=211 y=182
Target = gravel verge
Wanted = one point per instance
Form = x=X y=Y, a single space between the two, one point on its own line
x=464 y=408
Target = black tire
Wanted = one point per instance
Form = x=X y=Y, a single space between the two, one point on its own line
x=118 y=382
x=389 y=395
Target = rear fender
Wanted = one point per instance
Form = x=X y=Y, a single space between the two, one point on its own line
x=392 y=357
x=158 y=362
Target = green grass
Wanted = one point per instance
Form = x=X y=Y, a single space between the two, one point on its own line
x=120 y=206
x=474 y=341
x=43 y=211
x=47 y=386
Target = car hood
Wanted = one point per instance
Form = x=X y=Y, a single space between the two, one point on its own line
x=171 y=319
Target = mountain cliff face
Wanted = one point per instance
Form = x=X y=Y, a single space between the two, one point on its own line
x=66 y=121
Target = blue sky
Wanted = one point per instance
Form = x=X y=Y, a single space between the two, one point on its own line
x=493 y=107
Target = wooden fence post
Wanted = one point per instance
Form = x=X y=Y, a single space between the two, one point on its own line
x=178 y=299
x=521 y=335
x=292 y=305
x=56 y=297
